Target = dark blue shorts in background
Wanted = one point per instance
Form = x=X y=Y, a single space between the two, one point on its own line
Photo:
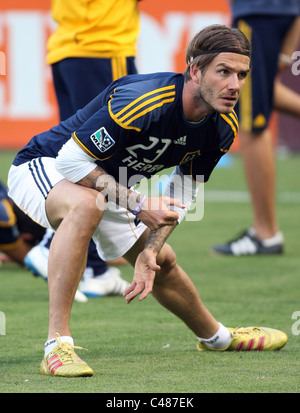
x=265 y=34
x=92 y=74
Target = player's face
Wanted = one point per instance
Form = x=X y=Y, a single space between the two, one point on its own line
x=221 y=84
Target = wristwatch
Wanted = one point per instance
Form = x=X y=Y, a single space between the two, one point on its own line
x=138 y=207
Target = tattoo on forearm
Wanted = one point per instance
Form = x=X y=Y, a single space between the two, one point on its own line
x=106 y=184
x=156 y=239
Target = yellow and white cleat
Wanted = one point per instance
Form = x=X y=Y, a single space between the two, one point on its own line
x=251 y=339
x=63 y=361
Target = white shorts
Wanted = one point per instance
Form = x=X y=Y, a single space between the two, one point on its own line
x=29 y=185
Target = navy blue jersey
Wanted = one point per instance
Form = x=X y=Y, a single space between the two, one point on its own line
x=242 y=8
x=138 y=123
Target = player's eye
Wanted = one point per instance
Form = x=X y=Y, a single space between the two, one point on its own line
x=242 y=75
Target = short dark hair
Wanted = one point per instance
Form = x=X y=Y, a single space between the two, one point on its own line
x=214 y=37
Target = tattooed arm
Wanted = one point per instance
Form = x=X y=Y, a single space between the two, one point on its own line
x=156 y=239
x=155 y=212
x=146 y=265
x=111 y=190
x=80 y=168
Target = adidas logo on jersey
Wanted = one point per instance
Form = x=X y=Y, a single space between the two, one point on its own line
x=181 y=140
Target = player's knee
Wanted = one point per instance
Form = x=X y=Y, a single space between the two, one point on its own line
x=85 y=210
x=82 y=212
x=75 y=203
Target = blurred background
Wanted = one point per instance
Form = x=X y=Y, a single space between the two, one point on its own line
x=27 y=100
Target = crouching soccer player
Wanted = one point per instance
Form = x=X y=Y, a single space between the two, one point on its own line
x=130 y=131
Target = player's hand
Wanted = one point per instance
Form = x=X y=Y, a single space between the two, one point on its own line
x=144 y=274
x=4 y=258
x=156 y=213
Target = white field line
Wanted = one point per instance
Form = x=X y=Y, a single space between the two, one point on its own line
x=244 y=197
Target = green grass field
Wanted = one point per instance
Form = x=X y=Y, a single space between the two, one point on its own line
x=142 y=348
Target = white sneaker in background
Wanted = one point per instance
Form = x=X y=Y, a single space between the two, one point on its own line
x=36 y=261
x=109 y=283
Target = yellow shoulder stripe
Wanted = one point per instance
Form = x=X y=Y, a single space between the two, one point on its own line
x=153 y=92
x=231 y=119
x=133 y=110
x=117 y=120
x=147 y=102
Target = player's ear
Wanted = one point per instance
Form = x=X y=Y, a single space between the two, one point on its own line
x=195 y=73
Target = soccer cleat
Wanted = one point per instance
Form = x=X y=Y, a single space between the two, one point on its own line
x=110 y=283
x=248 y=244
x=251 y=339
x=63 y=361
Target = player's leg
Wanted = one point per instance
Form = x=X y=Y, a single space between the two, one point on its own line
x=255 y=108
x=257 y=148
x=72 y=211
x=286 y=100
x=175 y=291
x=99 y=278
x=259 y=163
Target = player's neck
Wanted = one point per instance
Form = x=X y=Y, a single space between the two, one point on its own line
x=194 y=108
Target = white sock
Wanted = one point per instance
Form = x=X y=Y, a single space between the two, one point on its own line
x=52 y=343
x=220 y=340
x=275 y=240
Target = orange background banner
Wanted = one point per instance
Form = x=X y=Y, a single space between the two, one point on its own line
x=27 y=99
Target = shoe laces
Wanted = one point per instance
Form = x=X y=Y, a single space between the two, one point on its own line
x=246 y=331
x=66 y=351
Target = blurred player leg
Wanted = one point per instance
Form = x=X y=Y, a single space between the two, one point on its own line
x=257 y=147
